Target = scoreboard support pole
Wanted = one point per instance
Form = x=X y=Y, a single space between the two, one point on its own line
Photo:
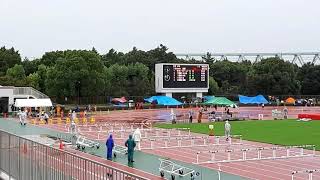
x=199 y=95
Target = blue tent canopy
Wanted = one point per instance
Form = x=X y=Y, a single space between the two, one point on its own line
x=164 y=100
x=208 y=98
x=252 y=100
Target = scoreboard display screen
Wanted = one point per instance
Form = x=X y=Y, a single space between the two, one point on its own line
x=185 y=76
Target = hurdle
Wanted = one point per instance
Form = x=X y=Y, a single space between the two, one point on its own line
x=121 y=150
x=258 y=151
x=178 y=142
x=174 y=169
x=130 y=125
x=310 y=173
x=147 y=133
x=217 y=138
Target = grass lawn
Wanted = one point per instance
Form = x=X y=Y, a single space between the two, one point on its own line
x=282 y=132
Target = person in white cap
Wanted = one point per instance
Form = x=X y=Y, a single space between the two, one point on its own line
x=227 y=129
x=137 y=138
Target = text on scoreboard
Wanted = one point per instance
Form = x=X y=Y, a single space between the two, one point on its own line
x=185 y=76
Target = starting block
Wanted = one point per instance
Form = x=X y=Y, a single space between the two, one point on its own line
x=68 y=121
x=59 y=121
x=76 y=120
x=84 y=120
x=92 y=120
x=42 y=122
x=175 y=169
x=50 y=121
x=33 y=121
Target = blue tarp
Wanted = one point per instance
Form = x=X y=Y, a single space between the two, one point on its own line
x=164 y=100
x=252 y=100
x=208 y=98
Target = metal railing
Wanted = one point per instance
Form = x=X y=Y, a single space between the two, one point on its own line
x=23 y=159
x=29 y=91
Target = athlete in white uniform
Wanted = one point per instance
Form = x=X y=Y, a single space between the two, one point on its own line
x=137 y=138
x=20 y=116
x=24 y=117
x=227 y=130
x=173 y=117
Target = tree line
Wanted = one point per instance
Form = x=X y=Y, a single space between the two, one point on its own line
x=87 y=73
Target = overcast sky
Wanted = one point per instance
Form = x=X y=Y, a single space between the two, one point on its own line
x=184 y=26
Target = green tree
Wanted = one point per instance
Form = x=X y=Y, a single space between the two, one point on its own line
x=112 y=57
x=230 y=76
x=309 y=77
x=208 y=58
x=8 y=59
x=138 y=80
x=42 y=74
x=33 y=80
x=135 y=56
x=16 y=76
x=50 y=58
x=117 y=75
x=273 y=76
x=160 y=55
x=80 y=71
x=30 y=66
x=213 y=87
x=16 y=72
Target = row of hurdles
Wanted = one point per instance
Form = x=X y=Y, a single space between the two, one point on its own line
x=310 y=173
x=155 y=138
x=257 y=154
x=38 y=121
x=190 y=142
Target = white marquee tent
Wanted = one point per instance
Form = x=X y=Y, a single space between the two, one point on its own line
x=33 y=103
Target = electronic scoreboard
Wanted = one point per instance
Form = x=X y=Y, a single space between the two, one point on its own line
x=182 y=77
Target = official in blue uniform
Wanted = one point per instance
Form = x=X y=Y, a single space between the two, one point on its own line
x=110 y=145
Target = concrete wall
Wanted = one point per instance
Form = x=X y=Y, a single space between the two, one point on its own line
x=7 y=92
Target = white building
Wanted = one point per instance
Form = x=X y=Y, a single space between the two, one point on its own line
x=8 y=95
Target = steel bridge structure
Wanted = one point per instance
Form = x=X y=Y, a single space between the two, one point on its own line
x=299 y=58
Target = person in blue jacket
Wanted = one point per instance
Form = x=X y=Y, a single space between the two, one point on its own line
x=110 y=145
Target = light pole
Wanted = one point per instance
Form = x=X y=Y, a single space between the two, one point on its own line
x=78 y=84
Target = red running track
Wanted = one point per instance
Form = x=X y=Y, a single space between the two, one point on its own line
x=279 y=169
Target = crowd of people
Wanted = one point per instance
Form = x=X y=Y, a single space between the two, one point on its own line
x=44 y=114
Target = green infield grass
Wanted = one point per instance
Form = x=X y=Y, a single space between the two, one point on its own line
x=281 y=132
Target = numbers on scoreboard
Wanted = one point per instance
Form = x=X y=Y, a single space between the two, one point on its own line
x=181 y=73
x=185 y=76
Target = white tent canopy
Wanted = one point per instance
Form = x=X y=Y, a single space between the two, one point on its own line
x=33 y=103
